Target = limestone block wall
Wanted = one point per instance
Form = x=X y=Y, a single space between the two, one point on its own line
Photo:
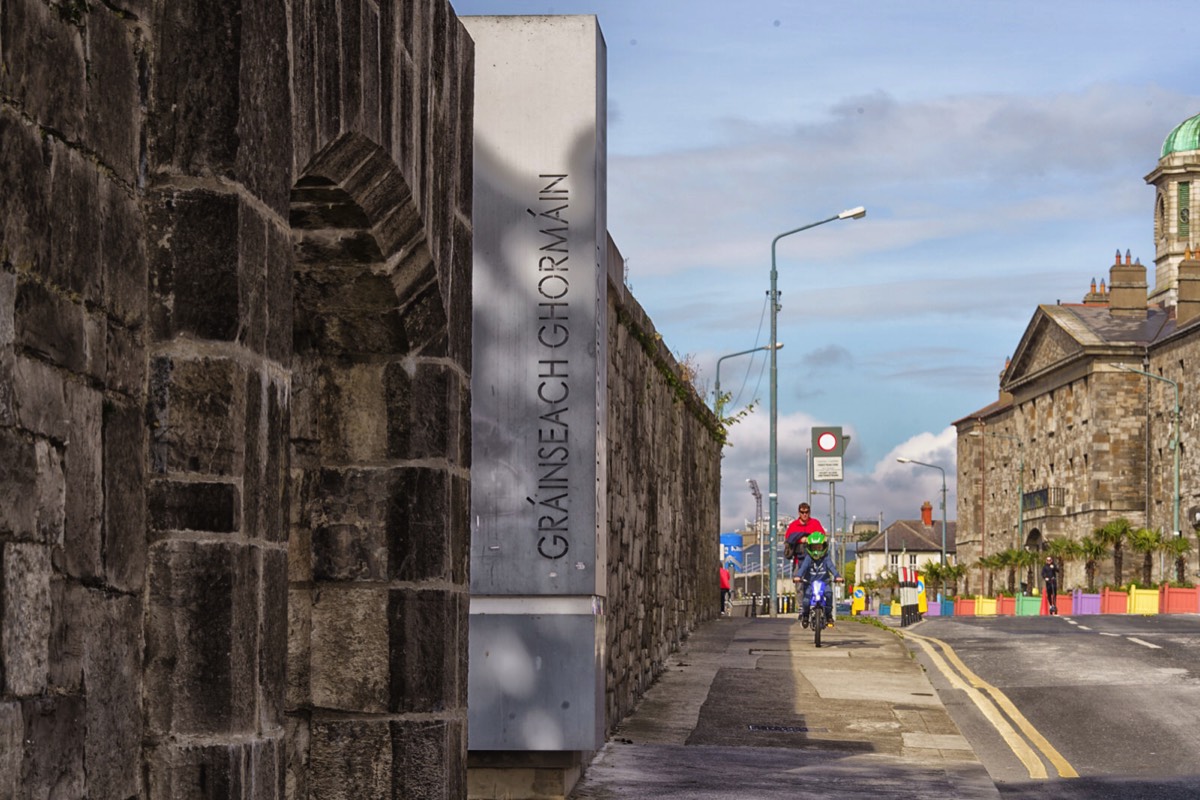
x=1173 y=360
x=664 y=466
x=234 y=370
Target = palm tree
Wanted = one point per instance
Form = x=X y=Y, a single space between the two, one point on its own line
x=1008 y=559
x=955 y=573
x=1027 y=559
x=1112 y=535
x=1177 y=547
x=1062 y=550
x=1092 y=551
x=990 y=564
x=1146 y=542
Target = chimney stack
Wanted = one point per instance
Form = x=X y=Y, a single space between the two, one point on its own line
x=927 y=514
x=1187 y=306
x=1127 y=288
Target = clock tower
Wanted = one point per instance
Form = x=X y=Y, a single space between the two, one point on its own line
x=1174 y=179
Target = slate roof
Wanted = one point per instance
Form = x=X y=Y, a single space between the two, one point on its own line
x=914 y=536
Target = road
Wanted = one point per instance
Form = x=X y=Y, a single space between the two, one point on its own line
x=1104 y=706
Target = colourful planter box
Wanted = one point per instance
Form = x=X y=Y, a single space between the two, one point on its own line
x=1066 y=605
x=1178 y=601
x=933 y=610
x=1082 y=603
x=985 y=606
x=947 y=608
x=1113 y=602
x=885 y=609
x=1006 y=606
x=1028 y=606
x=1143 y=601
x=964 y=607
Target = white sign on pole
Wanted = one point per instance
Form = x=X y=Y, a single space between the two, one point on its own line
x=827 y=468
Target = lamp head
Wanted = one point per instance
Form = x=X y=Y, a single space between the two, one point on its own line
x=904 y=460
x=853 y=213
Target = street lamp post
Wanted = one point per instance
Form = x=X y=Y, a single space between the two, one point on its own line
x=717 y=400
x=1020 y=484
x=904 y=460
x=1174 y=436
x=773 y=487
x=833 y=498
x=757 y=533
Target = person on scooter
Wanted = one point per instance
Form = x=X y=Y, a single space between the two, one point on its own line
x=1050 y=577
x=816 y=564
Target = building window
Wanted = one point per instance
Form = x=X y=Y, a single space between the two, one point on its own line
x=1185 y=209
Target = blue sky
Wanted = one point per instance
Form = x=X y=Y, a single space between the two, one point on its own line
x=999 y=148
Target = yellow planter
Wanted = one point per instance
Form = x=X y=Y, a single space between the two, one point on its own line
x=1143 y=601
x=985 y=606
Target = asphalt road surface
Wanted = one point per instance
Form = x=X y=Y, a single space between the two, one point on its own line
x=1092 y=706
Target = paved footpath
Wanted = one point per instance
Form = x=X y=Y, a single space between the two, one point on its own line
x=750 y=709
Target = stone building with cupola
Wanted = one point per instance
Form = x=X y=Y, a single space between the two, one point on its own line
x=1096 y=416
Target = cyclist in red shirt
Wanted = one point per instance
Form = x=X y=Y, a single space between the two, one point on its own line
x=797 y=534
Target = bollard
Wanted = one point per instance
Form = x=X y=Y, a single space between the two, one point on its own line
x=754 y=605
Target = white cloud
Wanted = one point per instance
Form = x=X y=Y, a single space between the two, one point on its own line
x=897 y=490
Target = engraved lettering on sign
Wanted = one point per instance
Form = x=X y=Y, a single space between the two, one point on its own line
x=553 y=491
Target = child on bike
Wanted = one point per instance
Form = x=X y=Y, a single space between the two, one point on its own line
x=816 y=564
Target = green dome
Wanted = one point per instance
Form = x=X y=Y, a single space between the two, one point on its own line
x=1186 y=136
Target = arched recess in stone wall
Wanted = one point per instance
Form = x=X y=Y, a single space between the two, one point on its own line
x=377 y=584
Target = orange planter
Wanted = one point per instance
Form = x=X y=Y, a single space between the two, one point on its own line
x=1064 y=603
x=1113 y=602
x=1006 y=606
x=964 y=607
x=1178 y=601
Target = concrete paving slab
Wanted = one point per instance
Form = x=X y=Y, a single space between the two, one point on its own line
x=751 y=709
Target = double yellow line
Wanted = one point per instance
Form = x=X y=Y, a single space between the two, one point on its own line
x=998 y=710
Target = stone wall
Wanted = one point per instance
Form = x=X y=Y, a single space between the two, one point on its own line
x=664 y=467
x=1086 y=436
x=234 y=382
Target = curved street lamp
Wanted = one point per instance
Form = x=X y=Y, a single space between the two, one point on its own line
x=717 y=400
x=773 y=480
x=904 y=460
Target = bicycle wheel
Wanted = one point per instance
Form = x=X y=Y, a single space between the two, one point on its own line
x=818 y=624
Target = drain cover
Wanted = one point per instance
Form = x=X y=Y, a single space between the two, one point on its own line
x=786 y=729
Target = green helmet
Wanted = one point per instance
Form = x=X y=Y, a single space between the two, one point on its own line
x=816 y=545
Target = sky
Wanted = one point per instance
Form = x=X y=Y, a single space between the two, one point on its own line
x=1000 y=150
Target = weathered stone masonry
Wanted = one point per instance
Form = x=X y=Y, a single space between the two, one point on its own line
x=234 y=368
x=664 y=467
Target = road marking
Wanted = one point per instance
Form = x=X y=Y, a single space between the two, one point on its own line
x=1084 y=628
x=1106 y=633
x=1020 y=748
x=1144 y=643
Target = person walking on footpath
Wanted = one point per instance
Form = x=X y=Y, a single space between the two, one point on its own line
x=724 y=589
x=1050 y=578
